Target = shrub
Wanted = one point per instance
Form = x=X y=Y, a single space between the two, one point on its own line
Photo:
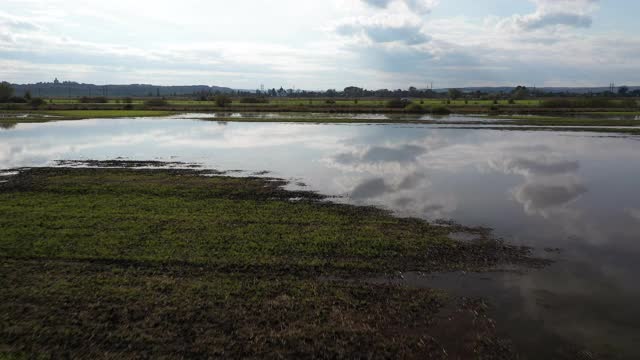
x=93 y=100
x=223 y=100
x=628 y=103
x=127 y=100
x=330 y=101
x=17 y=100
x=37 y=102
x=579 y=103
x=397 y=103
x=512 y=101
x=127 y=107
x=440 y=110
x=254 y=100
x=414 y=109
x=6 y=91
x=156 y=102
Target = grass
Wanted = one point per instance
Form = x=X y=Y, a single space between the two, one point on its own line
x=523 y=122
x=87 y=114
x=563 y=121
x=134 y=263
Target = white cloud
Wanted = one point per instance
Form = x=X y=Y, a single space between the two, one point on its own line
x=553 y=13
x=417 y=6
x=384 y=29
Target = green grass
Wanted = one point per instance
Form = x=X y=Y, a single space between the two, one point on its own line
x=564 y=121
x=86 y=114
x=168 y=263
x=214 y=221
x=373 y=103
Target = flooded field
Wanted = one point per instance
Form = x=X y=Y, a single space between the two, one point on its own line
x=571 y=196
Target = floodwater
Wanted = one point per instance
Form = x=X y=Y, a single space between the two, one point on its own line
x=573 y=197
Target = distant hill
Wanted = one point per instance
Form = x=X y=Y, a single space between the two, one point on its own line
x=558 y=90
x=74 y=89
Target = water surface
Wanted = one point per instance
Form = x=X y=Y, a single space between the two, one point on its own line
x=573 y=197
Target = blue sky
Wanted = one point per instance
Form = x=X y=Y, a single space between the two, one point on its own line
x=322 y=44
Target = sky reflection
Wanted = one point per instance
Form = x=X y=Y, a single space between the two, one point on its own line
x=576 y=192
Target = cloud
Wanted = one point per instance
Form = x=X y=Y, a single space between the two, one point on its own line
x=553 y=13
x=539 y=197
x=381 y=154
x=537 y=167
x=370 y=188
x=634 y=213
x=383 y=30
x=379 y=186
x=417 y=6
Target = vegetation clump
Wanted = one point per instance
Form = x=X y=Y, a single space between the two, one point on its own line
x=170 y=263
x=223 y=100
x=397 y=103
x=93 y=100
x=440 y=110
x=254 y=100
x=414 y=108
x=156 y=102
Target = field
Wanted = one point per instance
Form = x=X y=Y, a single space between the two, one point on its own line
x=169 y=263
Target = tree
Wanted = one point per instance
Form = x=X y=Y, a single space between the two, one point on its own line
x=223 y=100
x=37 y=102
x=623 y=91
x=6 y=90
x=454 y=94
x=520 y=92
x=27 y=95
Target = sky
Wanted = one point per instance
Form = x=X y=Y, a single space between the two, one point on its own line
x=315 y=45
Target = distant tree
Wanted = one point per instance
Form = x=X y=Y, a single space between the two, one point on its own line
x=223 y=100
x=37 y=102
x=520 y=93
x=6 y=91
x=331 y=93
x=397 y=103
x=623 y=91
x=156 y=102
x=455 y=94
x=27 y=95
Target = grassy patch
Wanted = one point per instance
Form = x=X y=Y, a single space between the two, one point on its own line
x=180 y=216
x=89 y=114
x=169 y=263
x=565 y=121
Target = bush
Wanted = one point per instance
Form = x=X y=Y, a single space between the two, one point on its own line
x=512 y=101
x=440 y=110
x=156 y=102
x=254 y=100
x=17 y=100
x=37 y=102
x=397 y=103
x=93 y=100
x=579 y=103
x=127 y=100
x=414 y=109
x=127 y=107
x=6 y=91
x=223 y=100
x=330 y=101
x=628 y=103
